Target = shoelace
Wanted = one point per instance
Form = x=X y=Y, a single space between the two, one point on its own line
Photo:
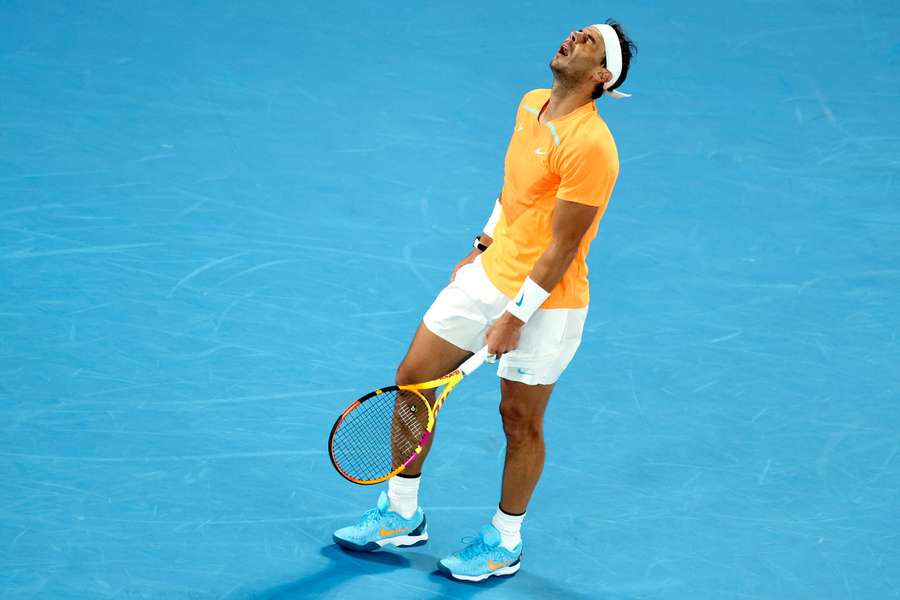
x=370 y=515
x=474 y=547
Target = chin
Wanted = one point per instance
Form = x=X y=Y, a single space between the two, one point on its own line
x=554 y=64
x=556 y=67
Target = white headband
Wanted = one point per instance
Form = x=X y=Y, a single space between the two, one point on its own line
x=613 y=59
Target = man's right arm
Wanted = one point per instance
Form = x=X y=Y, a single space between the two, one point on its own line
x=484 y=239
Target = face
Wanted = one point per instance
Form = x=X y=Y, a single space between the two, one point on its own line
x=580 y=57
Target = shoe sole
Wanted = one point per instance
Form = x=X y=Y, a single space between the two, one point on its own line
x=501 y=572
x=399 y=541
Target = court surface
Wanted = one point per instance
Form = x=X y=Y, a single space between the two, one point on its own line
x=220 y=222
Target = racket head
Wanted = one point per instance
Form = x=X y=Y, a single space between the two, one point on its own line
x=379 y=434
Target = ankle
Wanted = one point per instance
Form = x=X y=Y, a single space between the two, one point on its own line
x=509 y=526
x=403 y=495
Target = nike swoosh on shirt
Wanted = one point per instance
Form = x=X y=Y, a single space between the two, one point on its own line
x=522 y=371
x=494 y=566
x=540 y=152
x=386 y=532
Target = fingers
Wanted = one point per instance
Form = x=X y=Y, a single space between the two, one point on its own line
x=467 y=260
x=455 y=271
x=501 y=338
x=496 y=353
x=496 y=348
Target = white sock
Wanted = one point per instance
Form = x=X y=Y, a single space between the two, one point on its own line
x=509 y=527
x=403 y=493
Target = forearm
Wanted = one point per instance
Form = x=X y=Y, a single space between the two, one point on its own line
x=571 y=221
x=552 y=265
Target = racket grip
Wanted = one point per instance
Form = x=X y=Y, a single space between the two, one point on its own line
x=473 y=362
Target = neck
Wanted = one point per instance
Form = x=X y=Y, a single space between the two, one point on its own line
x=563 y=100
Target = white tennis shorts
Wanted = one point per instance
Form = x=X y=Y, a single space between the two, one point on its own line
x=463 y=311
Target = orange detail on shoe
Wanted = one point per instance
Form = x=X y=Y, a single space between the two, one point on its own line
x=386 y=532
x=492 y=566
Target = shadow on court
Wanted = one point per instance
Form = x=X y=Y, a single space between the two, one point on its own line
x=522 y=584
x=345 y=566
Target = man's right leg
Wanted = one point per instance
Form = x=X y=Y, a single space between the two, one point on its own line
x=429 y=357
x=397 y=520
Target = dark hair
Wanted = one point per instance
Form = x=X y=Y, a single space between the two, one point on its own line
x=629 y=49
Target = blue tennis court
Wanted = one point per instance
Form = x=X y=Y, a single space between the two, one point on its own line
x=220 y=222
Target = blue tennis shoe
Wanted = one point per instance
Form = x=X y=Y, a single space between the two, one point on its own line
x=380 y=527
x=483 y=558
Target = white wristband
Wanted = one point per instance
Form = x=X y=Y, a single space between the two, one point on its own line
x=527 y=301
x=494 y=219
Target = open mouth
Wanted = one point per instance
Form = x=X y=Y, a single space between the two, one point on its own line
x=564 y=50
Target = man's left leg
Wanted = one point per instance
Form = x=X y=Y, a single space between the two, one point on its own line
x=527 y=377
x=522 y=408
x=498 y=550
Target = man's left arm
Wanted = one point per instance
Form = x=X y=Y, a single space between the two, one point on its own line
x=571 y=221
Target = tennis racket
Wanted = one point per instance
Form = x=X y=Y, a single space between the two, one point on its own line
x=378 y=435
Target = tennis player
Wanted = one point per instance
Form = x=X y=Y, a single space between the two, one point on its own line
x=523 y=291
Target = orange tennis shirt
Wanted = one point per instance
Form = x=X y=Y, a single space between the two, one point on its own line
x=573 y=158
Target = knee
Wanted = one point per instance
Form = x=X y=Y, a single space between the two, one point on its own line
x=521 y=425
x=405 y=374
x=409 y=373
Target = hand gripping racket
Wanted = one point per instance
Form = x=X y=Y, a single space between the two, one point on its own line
x=377 y=436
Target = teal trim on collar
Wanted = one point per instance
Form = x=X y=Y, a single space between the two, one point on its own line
x=553 y=131
x=550 y=125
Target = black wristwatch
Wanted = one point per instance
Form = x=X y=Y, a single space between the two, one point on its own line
x=478 y=245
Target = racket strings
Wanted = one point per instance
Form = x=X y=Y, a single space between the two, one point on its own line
x=380 y=434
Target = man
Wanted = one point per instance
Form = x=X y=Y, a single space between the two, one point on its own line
x=523 y=291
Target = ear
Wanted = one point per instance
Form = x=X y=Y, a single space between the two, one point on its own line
x=600 y=75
